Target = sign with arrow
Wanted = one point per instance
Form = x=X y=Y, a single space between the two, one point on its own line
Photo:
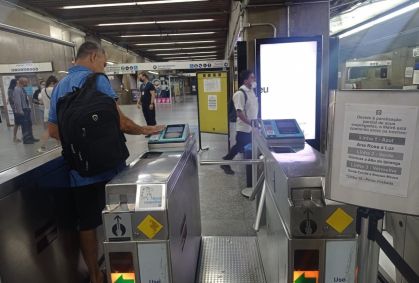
x=118 y=226
x=306 y=277
x=123 y=278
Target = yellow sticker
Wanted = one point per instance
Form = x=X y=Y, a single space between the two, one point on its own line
x=339 y=220
x=150 y=226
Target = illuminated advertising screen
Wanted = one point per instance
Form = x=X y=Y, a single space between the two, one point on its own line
x=289 y=79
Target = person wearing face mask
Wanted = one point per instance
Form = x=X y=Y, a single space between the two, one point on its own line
x=247 y=107
x=147 y=101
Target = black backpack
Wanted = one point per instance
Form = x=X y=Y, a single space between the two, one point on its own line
x=232 y=113
x=88 y=123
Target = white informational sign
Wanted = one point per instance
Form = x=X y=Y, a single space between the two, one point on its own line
x=6 y=82
x=150 y=197
x=212 y=103
x=153 y=260
x=378 y=147
x=352 y=64
x=416 y=77
x=25 y=68
x=118 y=226
x=408 y=73
x=212 y=85
x=416 y=52
x=288 y=83
x=156 y=66
x=340 y=261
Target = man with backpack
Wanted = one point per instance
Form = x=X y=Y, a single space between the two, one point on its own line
x=246 y=106
x=84 y=116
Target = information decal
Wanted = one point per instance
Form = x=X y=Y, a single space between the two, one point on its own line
x=378 y=142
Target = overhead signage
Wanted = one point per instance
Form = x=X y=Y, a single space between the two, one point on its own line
x=352 y=64
x=26 y=68
x=378 y=148
x=119 y=69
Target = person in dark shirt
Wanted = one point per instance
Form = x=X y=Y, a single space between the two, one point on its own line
x=148 y=97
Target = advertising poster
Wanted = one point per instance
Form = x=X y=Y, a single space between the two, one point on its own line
x=288 y=74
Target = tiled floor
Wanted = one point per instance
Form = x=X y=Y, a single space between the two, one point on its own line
x=224 y=211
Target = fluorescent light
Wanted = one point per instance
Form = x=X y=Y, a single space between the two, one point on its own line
x=187 y=53
x=62 y=72
x=157 y=2
x=155 y=22
x=180 y=48
x=110 y=63
x=168 y=34
x=152 y=72
x=179 y=42
x=190 y=57
x=381 y=20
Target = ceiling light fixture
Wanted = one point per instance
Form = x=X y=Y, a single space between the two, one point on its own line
x=187 y=53
x=178 y=42
x=110 y=63
x=107 y=5
x=156 y=22
x=181 y=48
x=168 y=34
x=154 y=73
x=190 y=57
x=380 y=20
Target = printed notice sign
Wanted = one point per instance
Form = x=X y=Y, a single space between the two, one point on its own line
x=212 y=103
x=378 y=147
x=212 y=85
x=150 y=197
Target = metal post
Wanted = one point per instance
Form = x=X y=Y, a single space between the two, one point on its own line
x=260 y=208
x=368 y=253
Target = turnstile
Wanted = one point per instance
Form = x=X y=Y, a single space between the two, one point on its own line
x=302 y=236
x=152 y=219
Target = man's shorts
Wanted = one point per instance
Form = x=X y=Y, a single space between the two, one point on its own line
x=89 y=203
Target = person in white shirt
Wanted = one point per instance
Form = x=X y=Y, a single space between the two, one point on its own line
x=45 y=98
x=247 y=107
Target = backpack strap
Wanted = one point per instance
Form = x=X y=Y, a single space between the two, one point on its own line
x=91 y=82
x=245 y=95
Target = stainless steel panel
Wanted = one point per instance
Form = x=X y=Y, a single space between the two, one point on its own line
x=185 y=222
x=230 y=260
x=273 y=244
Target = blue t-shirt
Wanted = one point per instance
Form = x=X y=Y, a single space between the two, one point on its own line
x=76 y=77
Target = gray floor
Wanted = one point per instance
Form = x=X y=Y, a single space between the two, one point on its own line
x=224 y=211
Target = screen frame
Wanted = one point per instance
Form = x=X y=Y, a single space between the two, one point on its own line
x=174 y=126
x=319 y=41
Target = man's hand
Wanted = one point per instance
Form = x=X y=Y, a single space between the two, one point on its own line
x=152 y=130
x=151 y=107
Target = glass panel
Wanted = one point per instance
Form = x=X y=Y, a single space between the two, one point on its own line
x=24 y=104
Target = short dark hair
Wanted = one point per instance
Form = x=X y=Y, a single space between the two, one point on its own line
x=51 y=80
x=88 y=48
x=13 y=84
x=144 y=73
x=244 y=75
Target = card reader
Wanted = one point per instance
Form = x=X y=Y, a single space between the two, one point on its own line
x=173 y=136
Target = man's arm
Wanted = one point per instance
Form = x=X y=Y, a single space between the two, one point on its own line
x=153 y=99
x=242 y=116
x=129 y=127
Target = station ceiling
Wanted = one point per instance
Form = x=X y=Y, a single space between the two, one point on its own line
x=161 y=32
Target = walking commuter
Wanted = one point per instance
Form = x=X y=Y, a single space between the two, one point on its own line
x=148 y=97
x=23 y=110
x=89 y=190
x=45 y=99
x=10 y=90
x=247 y=107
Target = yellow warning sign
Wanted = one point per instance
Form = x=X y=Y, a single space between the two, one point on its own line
x=339 y=220
x=150 y=226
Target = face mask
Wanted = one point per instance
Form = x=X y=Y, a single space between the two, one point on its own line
x=254 y=85
x=142 y=80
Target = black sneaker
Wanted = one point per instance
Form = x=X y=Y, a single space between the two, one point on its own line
x=227 y=169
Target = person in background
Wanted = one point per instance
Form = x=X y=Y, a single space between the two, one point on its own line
x=89 y=192
x=247 y=106
x=35 y=96
x=148 y=97
x=10 y=90
x=23 y=111
x=45 y=99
